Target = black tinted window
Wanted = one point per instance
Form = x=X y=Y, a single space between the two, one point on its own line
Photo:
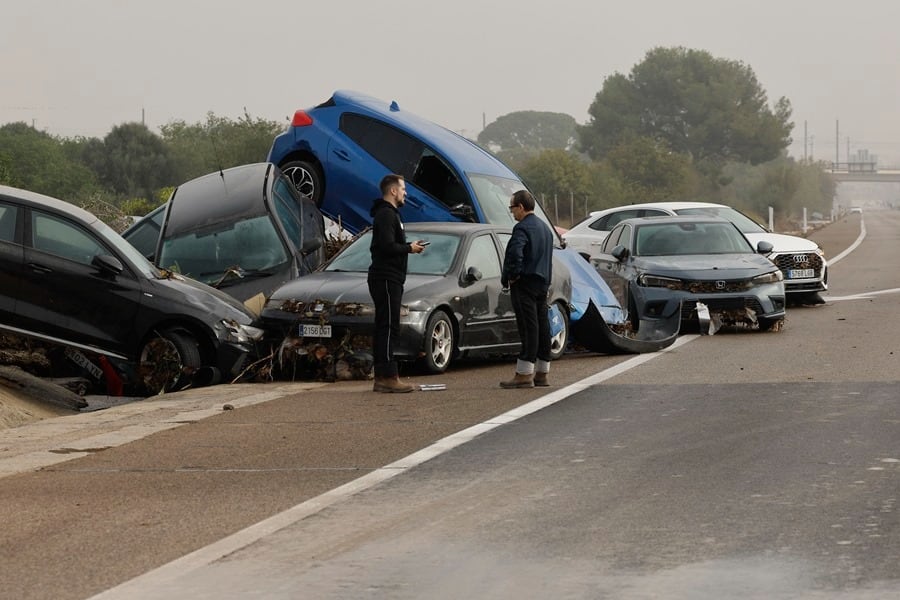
x=8 y=223
x=394 y=149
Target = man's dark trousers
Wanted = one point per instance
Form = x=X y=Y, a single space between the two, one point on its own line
x=529 y=301
x=387 y=296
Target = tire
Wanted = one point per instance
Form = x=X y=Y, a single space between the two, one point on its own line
x=168 y=361
x=307 y=178
x=439 y=343
x=560 y=341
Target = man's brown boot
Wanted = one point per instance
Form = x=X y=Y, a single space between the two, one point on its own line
x=392 y=385
x=521 y=380
x=540 y=380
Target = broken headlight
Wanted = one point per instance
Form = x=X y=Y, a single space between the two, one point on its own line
x=773 y=277
x=241 y=334
x=671 y=283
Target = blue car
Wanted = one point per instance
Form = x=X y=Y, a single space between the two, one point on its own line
x=337 y=153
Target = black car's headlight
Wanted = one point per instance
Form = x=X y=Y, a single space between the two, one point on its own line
x=671 y=283
x=241 y=334
x=772 y=277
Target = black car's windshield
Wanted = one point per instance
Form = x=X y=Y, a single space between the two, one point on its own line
x=743 y=222
x=493 y=195
x=249 y=245
x=678 y=239
x=436 y=260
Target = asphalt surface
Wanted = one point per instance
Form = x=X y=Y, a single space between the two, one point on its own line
x=178 y=473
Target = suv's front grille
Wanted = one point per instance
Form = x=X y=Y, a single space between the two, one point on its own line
x=688 y=307
x=799 y=260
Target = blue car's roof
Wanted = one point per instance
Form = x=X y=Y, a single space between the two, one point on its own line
x=465 y=154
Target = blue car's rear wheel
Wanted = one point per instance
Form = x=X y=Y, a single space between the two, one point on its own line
x=306 y=177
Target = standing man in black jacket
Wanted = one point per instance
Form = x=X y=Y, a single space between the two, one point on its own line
x=527 y=270
x=387 y=274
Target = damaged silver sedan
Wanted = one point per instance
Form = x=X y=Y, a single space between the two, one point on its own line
x=702 y=268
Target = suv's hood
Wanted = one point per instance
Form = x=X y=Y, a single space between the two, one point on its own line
x=726 y=266
x=783 y=243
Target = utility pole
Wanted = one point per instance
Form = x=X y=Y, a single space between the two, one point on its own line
x=805 y=141
x=837 y=142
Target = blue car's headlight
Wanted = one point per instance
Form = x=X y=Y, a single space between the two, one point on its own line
x=671 y=283
x=241 y=334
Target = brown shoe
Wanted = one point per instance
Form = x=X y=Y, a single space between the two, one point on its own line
x=540 y=380
x=521 y=380
x=389 y=385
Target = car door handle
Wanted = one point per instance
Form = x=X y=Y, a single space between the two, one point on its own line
x=342 y=154
x=39 y=268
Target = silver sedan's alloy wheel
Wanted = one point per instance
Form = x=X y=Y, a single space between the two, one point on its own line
x=438 y=343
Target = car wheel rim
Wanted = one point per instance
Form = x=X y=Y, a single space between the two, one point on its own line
x=441 y=340
x=302 y=180
x=558 y=341
x=161 y=365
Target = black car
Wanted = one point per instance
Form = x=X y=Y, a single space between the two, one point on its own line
x=453 y=302
x=244 y=230
x=68 y=278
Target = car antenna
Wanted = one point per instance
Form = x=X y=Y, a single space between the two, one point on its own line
x=212 y=139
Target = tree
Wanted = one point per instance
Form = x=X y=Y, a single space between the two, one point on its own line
x=530 y=130
x=560 y=174
x=218 y=143
x=37 y=161
x=132 y=161
x=650 y=171
x=711 y=110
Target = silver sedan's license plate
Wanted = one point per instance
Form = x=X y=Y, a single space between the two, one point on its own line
x=801 y=273
x=323 y=331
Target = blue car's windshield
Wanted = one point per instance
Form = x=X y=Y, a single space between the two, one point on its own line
x=493 y=194
x=436 y=260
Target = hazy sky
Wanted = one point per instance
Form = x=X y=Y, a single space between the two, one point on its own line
x=80 y=67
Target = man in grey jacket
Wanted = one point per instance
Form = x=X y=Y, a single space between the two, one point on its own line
x=527 y=269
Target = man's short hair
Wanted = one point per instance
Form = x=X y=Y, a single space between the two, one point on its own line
x=524 y=199
x=388 y=181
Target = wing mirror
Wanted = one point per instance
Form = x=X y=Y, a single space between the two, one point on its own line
x=620 y=252
x=472 y=275
x=764 y=247
x=463 y=212
x=109 y=265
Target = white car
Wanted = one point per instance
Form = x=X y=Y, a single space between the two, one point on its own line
x=801 y=260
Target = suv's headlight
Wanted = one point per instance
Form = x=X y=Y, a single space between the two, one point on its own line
x=773 y=277
x=242 y=334
x=647 y=280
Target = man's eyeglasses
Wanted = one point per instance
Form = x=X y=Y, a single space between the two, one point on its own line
x=514 y=206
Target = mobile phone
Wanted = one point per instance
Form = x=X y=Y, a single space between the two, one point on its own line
x=423 y=242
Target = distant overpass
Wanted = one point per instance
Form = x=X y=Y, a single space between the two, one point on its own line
x=863 y=172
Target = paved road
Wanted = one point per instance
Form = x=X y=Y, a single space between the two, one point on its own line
x=669 y=475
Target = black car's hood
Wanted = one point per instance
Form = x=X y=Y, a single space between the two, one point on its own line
x=178 y=289
x=342 y=286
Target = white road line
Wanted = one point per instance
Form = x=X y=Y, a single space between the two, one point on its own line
x=853 y=246
x=204 y=556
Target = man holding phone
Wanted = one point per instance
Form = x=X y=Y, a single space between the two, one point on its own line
x=387 y=275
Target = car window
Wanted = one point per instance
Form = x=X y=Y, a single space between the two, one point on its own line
x=611 y=240
x=145 y=234
x=250 y=245
x=675 y=239
x=391 y=147
x=62 y=238
x=437 y=257
x=742 y=221
x=288 y=211
x=483 y=255
x=8 y=214
x=607 y=222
